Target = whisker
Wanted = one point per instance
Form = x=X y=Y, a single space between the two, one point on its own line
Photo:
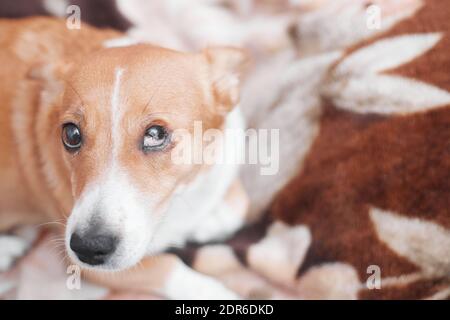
x=50 y=223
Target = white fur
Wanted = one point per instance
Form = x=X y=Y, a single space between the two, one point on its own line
x=218 y=224
x=122 y=211
x=116 y=112
x=191 y=205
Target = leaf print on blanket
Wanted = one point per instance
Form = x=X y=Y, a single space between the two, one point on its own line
x=358 y=84
x=424 y=243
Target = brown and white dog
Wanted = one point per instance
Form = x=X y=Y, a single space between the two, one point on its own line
x=86 y=134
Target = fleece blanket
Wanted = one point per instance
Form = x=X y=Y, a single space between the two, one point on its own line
x=369 y=196
x=359 y=207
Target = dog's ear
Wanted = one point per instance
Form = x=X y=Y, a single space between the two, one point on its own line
x=226 y=65
x=49 y=72
x=51 y=78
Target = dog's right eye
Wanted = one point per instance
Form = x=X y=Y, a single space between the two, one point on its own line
x=71 y=137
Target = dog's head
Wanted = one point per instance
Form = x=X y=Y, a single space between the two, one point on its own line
x=121 y=110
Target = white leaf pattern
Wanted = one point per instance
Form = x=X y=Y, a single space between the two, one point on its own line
x=387 y=54
x=386 y=94
x=424 y=243
x=356 y=84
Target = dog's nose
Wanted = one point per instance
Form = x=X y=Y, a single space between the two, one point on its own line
x=93 y=248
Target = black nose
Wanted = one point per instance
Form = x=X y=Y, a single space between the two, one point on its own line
x=93 y=248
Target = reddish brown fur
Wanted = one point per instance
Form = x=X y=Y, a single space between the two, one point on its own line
x=54 y=75
x=28 y=48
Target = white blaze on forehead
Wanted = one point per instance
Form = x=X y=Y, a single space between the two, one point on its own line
x=116 y=111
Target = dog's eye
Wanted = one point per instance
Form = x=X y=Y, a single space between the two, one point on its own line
x=156 y=138
x=71 y=137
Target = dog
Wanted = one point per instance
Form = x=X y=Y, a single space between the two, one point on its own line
x=87 y=134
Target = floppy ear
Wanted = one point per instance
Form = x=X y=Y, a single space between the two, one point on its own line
x=226 y=65
x=51 y=78
x=49 y=72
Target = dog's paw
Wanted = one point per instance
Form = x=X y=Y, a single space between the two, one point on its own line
x=11 y=248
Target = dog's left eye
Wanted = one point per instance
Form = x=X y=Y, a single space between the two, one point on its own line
x=156 y=138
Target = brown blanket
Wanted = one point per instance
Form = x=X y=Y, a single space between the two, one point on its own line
x=366 y=214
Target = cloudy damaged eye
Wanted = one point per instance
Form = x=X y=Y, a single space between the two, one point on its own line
x=156 y=138
x=71 y=137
